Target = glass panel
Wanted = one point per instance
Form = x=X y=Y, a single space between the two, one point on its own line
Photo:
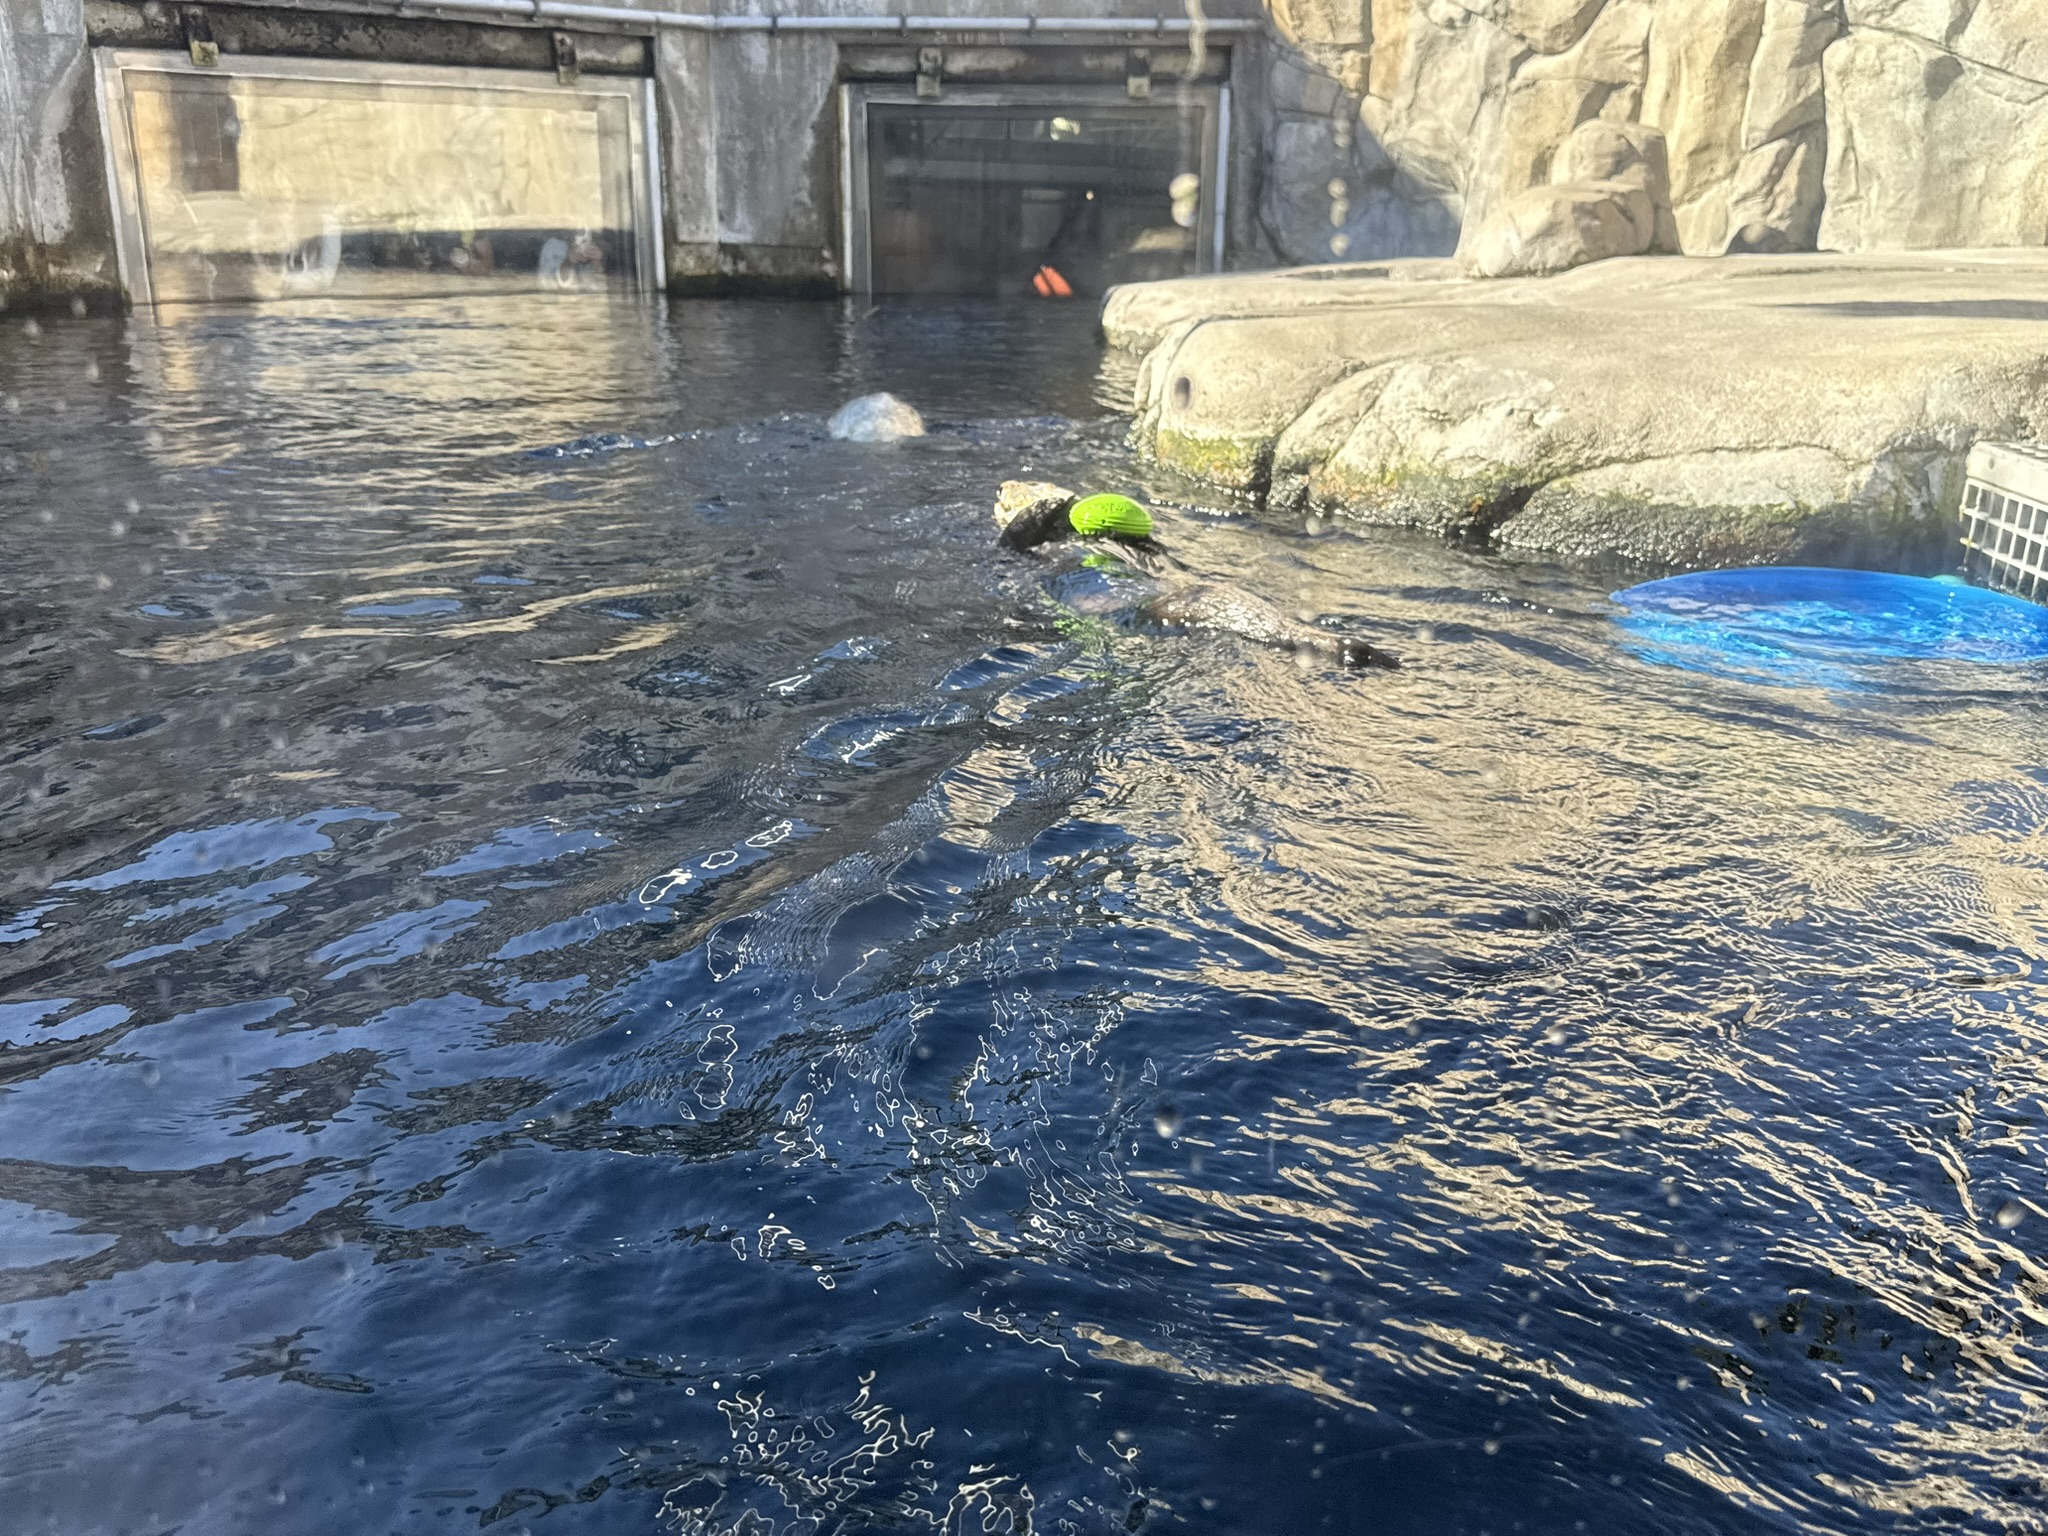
x=258 y=188
x=1023 y=200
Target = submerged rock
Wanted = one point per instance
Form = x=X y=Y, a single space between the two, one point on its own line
x=876 y=419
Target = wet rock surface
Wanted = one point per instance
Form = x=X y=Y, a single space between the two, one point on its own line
x=1690 y=413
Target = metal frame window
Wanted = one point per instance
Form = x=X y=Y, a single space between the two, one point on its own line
x=202 y=136
x=1212 y=102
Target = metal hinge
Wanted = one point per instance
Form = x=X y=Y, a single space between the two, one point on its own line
x=931 y=64
x=199 y=37
x=566 y=66
x=1138 y=74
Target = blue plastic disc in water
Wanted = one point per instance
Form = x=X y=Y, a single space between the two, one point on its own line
x=1796 y=624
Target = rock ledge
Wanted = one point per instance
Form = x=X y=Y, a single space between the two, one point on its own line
x=1687 y=412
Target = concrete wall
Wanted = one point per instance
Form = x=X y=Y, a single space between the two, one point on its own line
x=684 y=72
x=777 y=158
x=56 y=237
x=751 y=130
x=749 y=118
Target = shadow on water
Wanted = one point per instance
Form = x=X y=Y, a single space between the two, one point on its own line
x=665 y=989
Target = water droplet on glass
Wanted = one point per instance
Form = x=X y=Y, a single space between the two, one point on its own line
x=2011 y=1214
x=1555 y=1035
x=1166 y=1121
x=1492 y=1447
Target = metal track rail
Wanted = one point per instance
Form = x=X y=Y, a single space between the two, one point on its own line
x=692 y=21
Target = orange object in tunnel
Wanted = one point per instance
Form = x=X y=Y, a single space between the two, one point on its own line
x=1051 y=285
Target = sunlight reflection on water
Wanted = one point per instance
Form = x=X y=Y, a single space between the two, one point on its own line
x=661 y=989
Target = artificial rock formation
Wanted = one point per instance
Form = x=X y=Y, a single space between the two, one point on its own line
x=1415 y=127
x=1610 y=196
x=1797 y=408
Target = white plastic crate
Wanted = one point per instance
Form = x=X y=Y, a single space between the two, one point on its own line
x=2005 y=518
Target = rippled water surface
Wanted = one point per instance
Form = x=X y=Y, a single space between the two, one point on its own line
x=668 y=991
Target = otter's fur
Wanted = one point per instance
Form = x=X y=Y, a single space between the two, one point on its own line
x=1032 y=514
x=1215 y=605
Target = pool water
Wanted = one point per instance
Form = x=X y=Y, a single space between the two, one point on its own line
x=1802 y=625
x=668 y=989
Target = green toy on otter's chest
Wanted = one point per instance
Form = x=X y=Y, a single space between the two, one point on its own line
x=1117 y=516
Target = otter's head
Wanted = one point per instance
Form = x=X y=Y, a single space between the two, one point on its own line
x=1031 y=514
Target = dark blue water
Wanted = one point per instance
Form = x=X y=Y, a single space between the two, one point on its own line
x=668 y=990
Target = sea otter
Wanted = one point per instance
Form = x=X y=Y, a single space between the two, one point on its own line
x=1110 y=566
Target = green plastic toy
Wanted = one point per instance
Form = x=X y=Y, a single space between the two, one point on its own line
x=1118 y=516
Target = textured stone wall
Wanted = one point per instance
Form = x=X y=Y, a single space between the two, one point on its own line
x=1397 y=127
